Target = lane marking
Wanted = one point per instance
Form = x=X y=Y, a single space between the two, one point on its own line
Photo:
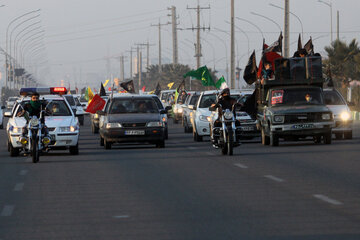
x=23 y=172
x=7 y=211
x=121 y=216
x=276 y=179
x=192 y=148
x=241 y=165
x=19 y=187
x=327 y=199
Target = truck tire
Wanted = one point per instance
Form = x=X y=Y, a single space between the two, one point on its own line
x=265 y=140
x=327 y=138
x=274 y=139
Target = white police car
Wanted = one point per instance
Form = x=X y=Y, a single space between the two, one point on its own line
x=60 y=120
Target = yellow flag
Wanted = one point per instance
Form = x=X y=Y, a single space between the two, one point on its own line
x=106 y=82
x=170 y=85
x=90 y=94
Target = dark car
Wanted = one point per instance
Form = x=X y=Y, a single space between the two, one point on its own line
x=132 y=119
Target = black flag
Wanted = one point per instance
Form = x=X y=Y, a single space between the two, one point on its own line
x=102 y=90
x=158 y=89
x=251 y=70
x=299 y=42
x=309 y=47
x=276 y=46
x=128 y=86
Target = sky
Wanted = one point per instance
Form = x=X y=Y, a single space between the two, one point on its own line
x=83 y=40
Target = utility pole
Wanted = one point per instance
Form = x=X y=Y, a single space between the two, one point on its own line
x=159 y=26
x=338 y=27
x=122 y=72
x=131 y=62
x=174 y=34
x=140 y=69
x=198 y=54
x=287 y=29
x=147 y=52
x=232 y=53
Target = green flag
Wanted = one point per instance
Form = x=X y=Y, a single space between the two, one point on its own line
x=221 y=83
x=202 y=74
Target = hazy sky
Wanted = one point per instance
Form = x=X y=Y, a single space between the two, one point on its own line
x=80 y=35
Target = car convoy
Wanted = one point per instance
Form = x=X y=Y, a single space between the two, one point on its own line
x=293 y=105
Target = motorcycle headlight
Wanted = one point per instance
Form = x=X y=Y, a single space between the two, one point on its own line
x=113 y=125
x=34 y=122
x=228 y=115
x=345 y=116
x=203 y=118
x=326 y=116
x=279 y=119
x=154 y=124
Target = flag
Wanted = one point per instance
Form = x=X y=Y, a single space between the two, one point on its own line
x=97 y=103
x=250 y=70
x=202 y=74
x=180 y=88
x=170 y=85
x=276 y=46
x=106 y=82
x=221 y=83
x=143 y=89
x=268 y=56
x=102 y=90
x=88 y=94
x=158 y=89
x=128 y=86
x=309 y=47
x=299 y=43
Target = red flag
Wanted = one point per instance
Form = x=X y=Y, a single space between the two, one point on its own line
x=143 y=89
x=269 y=57
x=97 y=103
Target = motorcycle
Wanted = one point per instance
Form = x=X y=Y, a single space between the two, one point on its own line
x=226 y=137
x=35 y=141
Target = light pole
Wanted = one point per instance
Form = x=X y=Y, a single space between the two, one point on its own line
x=329 y=4
x=302 y=29
x=242 y=19
x=247 y=36
x=226 y=53
x=20 y=36
x=257 y=14
x=8 y=56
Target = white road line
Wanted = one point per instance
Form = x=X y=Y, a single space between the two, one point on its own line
x=192 y=148
x=276 y=179
x=7 y=211
x=327 y=199
x=122 y=216
x=23 y=172
x=241 y=165
x=19 y=187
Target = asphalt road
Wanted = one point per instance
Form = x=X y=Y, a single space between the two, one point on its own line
x=185 y=191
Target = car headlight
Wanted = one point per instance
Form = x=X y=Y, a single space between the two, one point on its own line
x=73 y=128
x=228 y=115
x=326 y=116
x=113 y=125
x=203 y=118
x=279 y=119
x=15 y=129
x=345 y=116
x=164 y=119
x=154 y=124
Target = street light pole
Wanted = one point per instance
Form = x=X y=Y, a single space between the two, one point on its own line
x=329 y=4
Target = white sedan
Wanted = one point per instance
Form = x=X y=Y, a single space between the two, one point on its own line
x=63 y=126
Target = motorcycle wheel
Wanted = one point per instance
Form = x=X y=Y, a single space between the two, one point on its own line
x=34 y=151
x=230 y=143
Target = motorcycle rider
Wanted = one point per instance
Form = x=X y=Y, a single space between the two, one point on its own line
x=224 y=102
x=33 y=108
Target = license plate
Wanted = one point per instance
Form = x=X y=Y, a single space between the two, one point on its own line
x=303 y=126
x=135 y=132
x=247 y=128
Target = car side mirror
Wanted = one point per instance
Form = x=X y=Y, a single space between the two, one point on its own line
x=100 y=112
x=7 y=114
x=163 y=111
x=83 y=105
x=351 y=104
x=168 y=108
x=191 y=107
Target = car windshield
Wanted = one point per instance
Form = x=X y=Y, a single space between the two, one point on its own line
x=193 y=99
x=58 y=108
x=158 y=103
x=333 y=98
x=133 y=105
x=77 y=102
x=70 y=100
x=207 y=100
x=243 y=99
x=296 y=96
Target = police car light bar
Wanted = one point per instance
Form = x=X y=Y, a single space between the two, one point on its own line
x=43 y=91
